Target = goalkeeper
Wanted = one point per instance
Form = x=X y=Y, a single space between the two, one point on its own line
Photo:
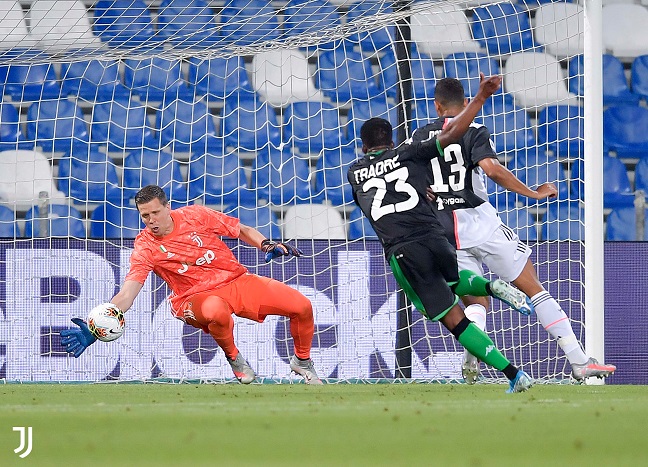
x=208 y=284
x=389 y=186
x=459 y=194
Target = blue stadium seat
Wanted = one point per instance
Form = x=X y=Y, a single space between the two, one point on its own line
x=510 y=126
x=564 y=221
x=187 y=23
x=11 y=136
x=615 y=83
x=219 y=77
x=121 y=124
x=639 y=76
x=331 y=176
x=124 y=23
x=310 y=17
x=361 y=111
x=545 y=169
x=616 y=184
x=29 y=81
x=245 y=22
x=114 y=221
x=155 y=78
x=375 y=40
x=423 y=112
x=260 y=217
x=92 y=80
x=343 y=74
x=87 y=175
x=63 y=221
x=466 y=66
x=421 y=67
x=249 y=124
x=8 y=226
x=520 y=221
x=562 y=129
x=186 y=126
x=360 y=227
x=281 y=177
x=149 y=167
x=621 y=225
x=312 y=126
x=217 y=177
x=503 y=28
x=56 y=125
x=641 y=175
x=625 y=130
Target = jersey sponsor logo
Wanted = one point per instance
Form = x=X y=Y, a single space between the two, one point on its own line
x=376 y=170
x=195 y=238
x=206 y=258
x=452 y=201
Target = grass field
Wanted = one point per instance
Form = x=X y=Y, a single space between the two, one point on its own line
x=395 y=425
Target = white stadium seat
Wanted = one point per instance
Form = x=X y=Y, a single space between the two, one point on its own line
x=560 y=27
x=624 y=30
x=13 y=29
x=316 y=221
x=61 y=24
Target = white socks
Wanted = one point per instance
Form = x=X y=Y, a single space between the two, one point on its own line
x=477 y=314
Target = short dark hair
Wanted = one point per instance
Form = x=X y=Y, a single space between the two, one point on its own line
x=149 y=193
x=376 y=132
x=449 y=91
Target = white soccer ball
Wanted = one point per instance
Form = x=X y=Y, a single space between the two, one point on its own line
x=106 y=322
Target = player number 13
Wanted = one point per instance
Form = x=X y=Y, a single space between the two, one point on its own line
x=400 y=177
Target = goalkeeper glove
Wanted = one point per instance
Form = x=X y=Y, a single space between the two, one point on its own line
x=76 y=340
x=277 y=249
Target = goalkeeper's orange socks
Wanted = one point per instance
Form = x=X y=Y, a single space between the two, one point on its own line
x=481 y=346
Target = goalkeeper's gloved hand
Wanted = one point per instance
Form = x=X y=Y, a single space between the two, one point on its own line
x=76 y=340
x=277 y=249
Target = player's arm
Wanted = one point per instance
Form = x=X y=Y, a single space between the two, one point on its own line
x=126 y=295
x=505 y=178
x=272 y=249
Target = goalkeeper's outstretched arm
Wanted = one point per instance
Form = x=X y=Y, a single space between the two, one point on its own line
x=126 y=295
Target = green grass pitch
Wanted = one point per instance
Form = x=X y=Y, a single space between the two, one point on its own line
x=345 y=424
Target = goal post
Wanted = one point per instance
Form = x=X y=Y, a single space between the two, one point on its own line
x=254 y=108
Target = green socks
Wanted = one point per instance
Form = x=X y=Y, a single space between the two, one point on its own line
x=471 y=283
x=481 y=346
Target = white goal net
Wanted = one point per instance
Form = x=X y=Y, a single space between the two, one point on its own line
x=253 y=107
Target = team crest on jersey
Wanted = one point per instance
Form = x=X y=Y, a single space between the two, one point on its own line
x=195 y=238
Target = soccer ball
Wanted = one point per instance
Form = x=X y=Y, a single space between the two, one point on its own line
x=106 y=322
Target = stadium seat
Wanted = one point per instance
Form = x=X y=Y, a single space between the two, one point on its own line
x=641 y=176
x=187 y=23
x=56 y=125
x=23 y=175
x=624 y=30
x=615 y=83
x=309 y=17
x=63 y=221
x=58 y=25
x=564 y=221
x=186 y=126
x=621 y=225
x=260 y=217
x=124 y=23
x=510 y=126
x=282 y=76
x=423 y=112
x=245 y=22
x=616 y=184
x=361 y=111
x=421 y=67
x=92 y=80
x=30 y=81
x=360 y=227
x=8 y=226
x=312 y=126
x=249 y=124
x=639 y=76
x=625 y=130
x=313 y=221
x=155 y=79
x=544 y=169
x=281 y=177
x=13 y=28
x=466 y=66
x=558 y=26
x=87 y=175
x=376 y=40
x=562 y=129
x=343 y=74
x=149 y=167
x=121 y=124
x=11 y=136
x=520 y=221
x=503 y=28
x=536 y=79
x=331 y=182
x=442 y=30
x=114 y=221
x=219 y=77
x=217 y=177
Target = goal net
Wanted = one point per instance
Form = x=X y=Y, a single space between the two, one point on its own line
x=254 y=108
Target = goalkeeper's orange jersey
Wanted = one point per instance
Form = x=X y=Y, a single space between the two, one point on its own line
x=192 y=258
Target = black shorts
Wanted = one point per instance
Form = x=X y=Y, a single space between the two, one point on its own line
x=423 y=268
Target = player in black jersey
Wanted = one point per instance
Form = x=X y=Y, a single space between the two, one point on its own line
x=461 y=201
x=389 y=185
